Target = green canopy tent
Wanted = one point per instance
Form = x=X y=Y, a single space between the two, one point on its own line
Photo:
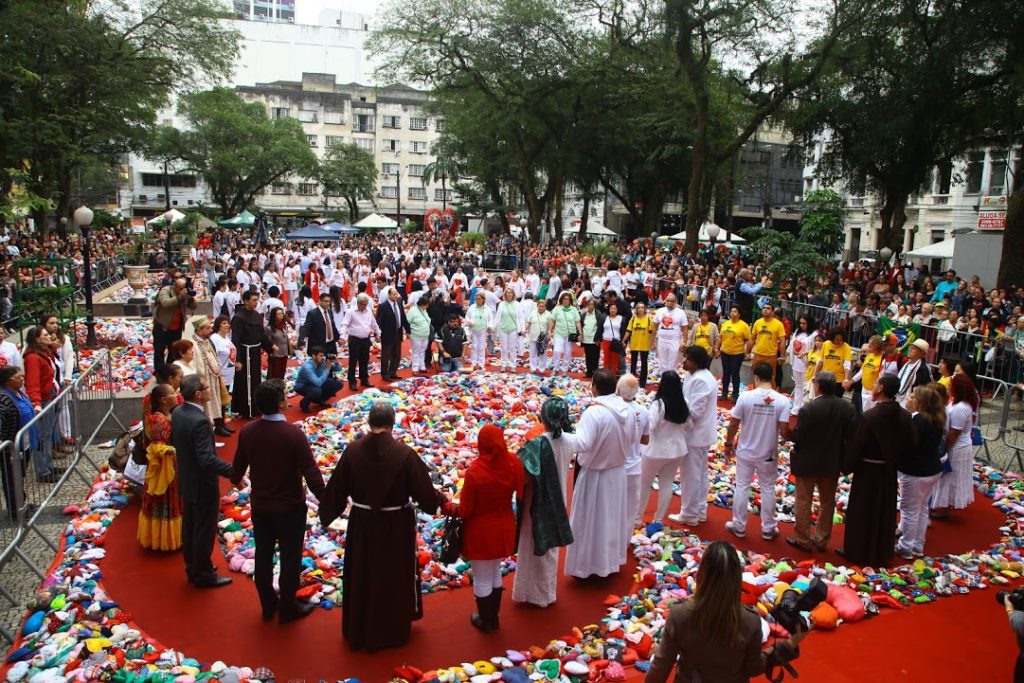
x=242 y=220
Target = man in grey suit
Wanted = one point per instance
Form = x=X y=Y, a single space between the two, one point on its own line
x=198 y=469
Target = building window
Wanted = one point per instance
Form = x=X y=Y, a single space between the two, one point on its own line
x=446 y=195
x=390 y=169
x=389 y=191
x=308 y=116
x=417 y=193
x=281 y=188
x=312 y=140
x=997 y=174
x=334 y=117
x=975 y=169
x=308 y=189
x=173 y=180
x=944 y=176
x=334 y=140
x=364 y=143
x=439 y=125
x=417 y=123
x=389 y=145
x=280 y=113
x=416 y=170
x=391 y=122
x=362 y=123
x=418 y=147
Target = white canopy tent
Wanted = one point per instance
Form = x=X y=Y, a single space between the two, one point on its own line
x=595 y=228
x=159 y=220
x=703 y=236
x=940 y=250
x=377 y=222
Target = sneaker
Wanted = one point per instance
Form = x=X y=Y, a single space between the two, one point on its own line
x=679 y=519
x=770 y=534
x=731 y=528
x=905 y=554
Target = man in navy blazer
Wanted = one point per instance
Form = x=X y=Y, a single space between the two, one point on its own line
x=319 y=329
x=198 y=472
x=393 y=328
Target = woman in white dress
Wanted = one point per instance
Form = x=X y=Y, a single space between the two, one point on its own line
x=292 y=275
x=800 y=344
x=65 y=355
x=956 y=488
x=226 y=352
x=666 y=451
x=544 y=504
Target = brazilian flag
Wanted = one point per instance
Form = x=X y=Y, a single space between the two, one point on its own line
x=905 y=333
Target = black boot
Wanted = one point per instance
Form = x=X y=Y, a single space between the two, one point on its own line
x=219 y=429
x=495 y=598
x=481 y=619
x=224 y=424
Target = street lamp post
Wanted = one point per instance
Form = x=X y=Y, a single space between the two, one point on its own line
x=168 y=218
x=83 y=219
x=713 y=231
x=523 y=223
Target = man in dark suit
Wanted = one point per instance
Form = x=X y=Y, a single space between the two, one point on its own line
x=319 y=329
x=824 y=430
x=393 y=328
x=198 y=469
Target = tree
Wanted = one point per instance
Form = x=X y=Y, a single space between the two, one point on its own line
x=445 y=167
x=82 y=81
x=762 y=34
x=349 y=172
x=823 y=222
x=909 y=89
x=235 y=147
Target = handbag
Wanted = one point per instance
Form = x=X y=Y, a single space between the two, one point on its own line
x=976 y=438
x=225 y=395
x=451 y=542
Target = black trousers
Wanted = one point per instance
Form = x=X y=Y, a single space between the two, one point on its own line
x=287 y=530
x=162 y=340
x=731 y=364
x=358 y=356
x=390 y=358
x=198 y=530
x=592 y=356
x=642 y=377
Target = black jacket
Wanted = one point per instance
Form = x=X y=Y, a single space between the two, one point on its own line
x=924 y=460
x=314 y=329
x=390 y=330
x=824 y=430
x=198 y=464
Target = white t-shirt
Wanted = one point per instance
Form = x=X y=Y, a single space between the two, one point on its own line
x=760 y=411
x=961 y=416
x=614 y=281
x=668 y=439
x=671 y=323
x=9 y=355
x=633 y=458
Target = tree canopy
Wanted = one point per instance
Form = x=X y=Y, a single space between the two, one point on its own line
x=348 y=172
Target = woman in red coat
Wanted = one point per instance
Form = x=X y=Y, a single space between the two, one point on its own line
x=41 y=381
x=489 y=525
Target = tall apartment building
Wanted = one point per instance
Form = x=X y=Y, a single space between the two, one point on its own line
x=265 y=10
x=389 y=122
x=961 y=196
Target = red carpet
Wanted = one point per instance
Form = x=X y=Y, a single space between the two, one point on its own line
x=960 y=638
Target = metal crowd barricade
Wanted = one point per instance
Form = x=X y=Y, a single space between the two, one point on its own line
x=35 y=501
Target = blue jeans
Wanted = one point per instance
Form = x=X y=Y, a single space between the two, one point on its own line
x=321 y=394
x=450 y=364
x=731 y=364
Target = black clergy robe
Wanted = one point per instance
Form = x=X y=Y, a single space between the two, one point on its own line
x=248 y=336
x=380 y=583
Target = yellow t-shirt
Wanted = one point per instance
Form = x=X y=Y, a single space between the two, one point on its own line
x=812 y=362
x=833 y=357
x=734 y=336
x=702 y=336
x=946 y=381
x=870 y=366
x=767 y=335
x=640 y=333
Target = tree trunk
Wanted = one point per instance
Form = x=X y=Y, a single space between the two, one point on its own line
x=42 y=221
x=894 y=217
x=559 y=198
x=444 y=192
x=586 y=216
x=1011 y=265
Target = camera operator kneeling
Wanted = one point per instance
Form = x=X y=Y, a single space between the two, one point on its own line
x=1013 y=601
x=712 y=636
x=316 y=382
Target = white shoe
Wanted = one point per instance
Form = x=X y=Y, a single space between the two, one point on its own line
x=770 y=535
x=731 y=528
x=679 y=519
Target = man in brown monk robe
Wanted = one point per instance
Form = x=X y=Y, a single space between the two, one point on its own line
x=380 y=585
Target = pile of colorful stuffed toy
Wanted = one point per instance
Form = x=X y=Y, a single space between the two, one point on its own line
x=130 y=343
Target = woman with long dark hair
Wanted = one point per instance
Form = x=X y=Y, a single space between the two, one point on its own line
x=712 y=636
x=667 y=415
x=277 y=333
x=41 y=373
x=955 y=490
x=160 y=516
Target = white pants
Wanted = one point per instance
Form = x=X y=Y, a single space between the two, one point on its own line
x=486 y=577
x=419 y=352
x=509 y=347
x=562 y=354
x=694 y=484
x=668 y=354
x=632 y=500
x=866 y=402
x=799 y=387
x=914 y=495
x=537 y=359
x=767 y=471
x=523 y=341
x=478 y=352
x=665 y=472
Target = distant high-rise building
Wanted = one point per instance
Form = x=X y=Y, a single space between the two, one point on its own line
x=265 y=10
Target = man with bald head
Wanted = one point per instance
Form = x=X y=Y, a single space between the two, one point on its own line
x=174 y=304
x=627 y=388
